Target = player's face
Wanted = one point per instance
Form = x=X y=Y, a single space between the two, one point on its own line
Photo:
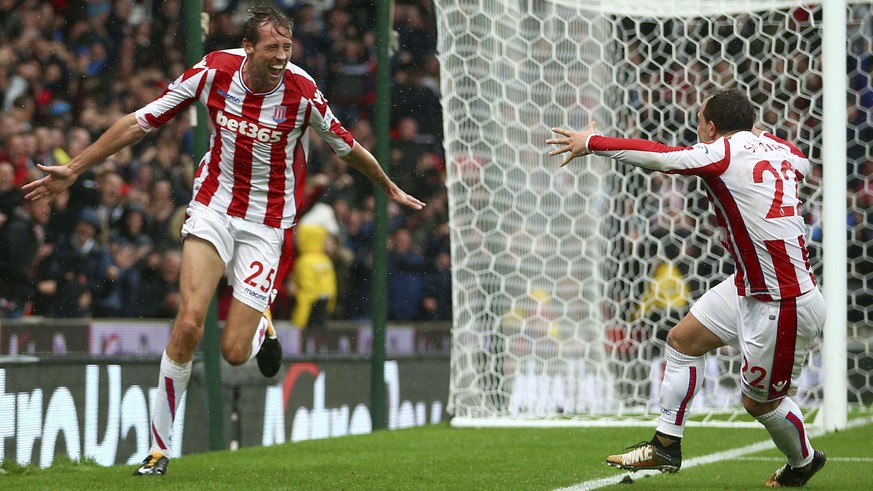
x=705 y=129
x=267 y=57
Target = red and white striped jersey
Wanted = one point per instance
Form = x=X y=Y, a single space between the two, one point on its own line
x=752 y=183
x=256 y=164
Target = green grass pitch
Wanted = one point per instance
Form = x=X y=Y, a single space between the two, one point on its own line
x=441 y=457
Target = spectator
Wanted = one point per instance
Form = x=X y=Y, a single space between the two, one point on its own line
x=223 y=33
x=122 y=290
x=133 y=231
x=356 y=302
x=14 y=151
x=46 y=151
x=10 y=194
x=313 y=43
x=62 y=219
x=23 y=246
x=110 y=208
x=313 y=285
x=352 y=81
x=417 y=32
x=159 y=289
x=406 y=150
x=21 y=82
x=161 y=208
x=437 y=302
x=79 y=266
x=413 y=100
x=406 y=279
x=342 y=255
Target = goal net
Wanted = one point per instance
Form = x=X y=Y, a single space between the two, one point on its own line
x=566 y=280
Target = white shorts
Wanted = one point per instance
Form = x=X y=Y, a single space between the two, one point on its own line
x=250 y=251
x=772 y=337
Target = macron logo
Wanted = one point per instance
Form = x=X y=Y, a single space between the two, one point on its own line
x=229 y=97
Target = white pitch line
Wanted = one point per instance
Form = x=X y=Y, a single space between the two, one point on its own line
x=830 y=459
x=706 y=459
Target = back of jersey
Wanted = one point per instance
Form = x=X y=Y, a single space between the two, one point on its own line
x=756 y=202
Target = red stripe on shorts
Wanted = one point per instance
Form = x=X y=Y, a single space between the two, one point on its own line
x=783 y=355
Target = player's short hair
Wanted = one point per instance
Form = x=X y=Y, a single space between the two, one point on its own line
x=730 y=110
x=261 y=14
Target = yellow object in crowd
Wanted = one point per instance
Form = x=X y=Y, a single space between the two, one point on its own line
x=314 y=275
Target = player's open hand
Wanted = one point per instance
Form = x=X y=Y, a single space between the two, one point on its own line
x=58 y=178
x=400 y=196
x=572 y=143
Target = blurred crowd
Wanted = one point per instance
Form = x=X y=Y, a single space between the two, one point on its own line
x=110 y=246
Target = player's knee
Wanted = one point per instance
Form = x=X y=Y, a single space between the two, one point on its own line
x=235 y=353
x=679 y=342
x=692 y=338
x=187 y=333
x=757 y=408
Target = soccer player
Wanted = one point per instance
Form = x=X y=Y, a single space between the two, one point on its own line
x=246 y=192
x=770 y=308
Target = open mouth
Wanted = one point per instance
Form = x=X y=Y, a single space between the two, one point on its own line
x=276 y=70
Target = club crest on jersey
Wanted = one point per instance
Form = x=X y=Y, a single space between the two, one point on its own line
x=279 y=114
x=175 y=83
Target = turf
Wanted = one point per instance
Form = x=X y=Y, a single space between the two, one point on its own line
x=440 y=457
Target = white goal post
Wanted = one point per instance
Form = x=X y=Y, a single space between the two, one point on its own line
x=565 y=280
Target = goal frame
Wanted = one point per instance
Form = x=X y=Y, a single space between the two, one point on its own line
x=833 y=414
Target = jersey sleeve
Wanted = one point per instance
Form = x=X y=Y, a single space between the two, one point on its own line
x=328 y=127
x=702 y=158
x=179 y=94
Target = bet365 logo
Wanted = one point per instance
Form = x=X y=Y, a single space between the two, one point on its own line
x=247 y=128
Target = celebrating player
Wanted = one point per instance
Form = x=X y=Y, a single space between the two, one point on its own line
x=245 y=194
x=770 y=308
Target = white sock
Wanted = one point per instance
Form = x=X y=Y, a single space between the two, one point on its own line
x=260 y=336
x=788 y=431
x=172 y=384
x=682 y=380
x=655 y=377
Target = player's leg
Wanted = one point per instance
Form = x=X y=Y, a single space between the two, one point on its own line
x=774 y=340
x=687 y=345
x=248 y=331
x=784 y=422
x=245 y=329
x=201 y=270
x=202 y=267
x=683 y=377
x=708 y=326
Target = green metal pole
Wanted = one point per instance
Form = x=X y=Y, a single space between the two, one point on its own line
x=214 y=398
x=382 y=119
x=212 y=377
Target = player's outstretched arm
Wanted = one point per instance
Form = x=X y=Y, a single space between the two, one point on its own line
x=360 y=158
x=122 y=133
x=572 y=143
